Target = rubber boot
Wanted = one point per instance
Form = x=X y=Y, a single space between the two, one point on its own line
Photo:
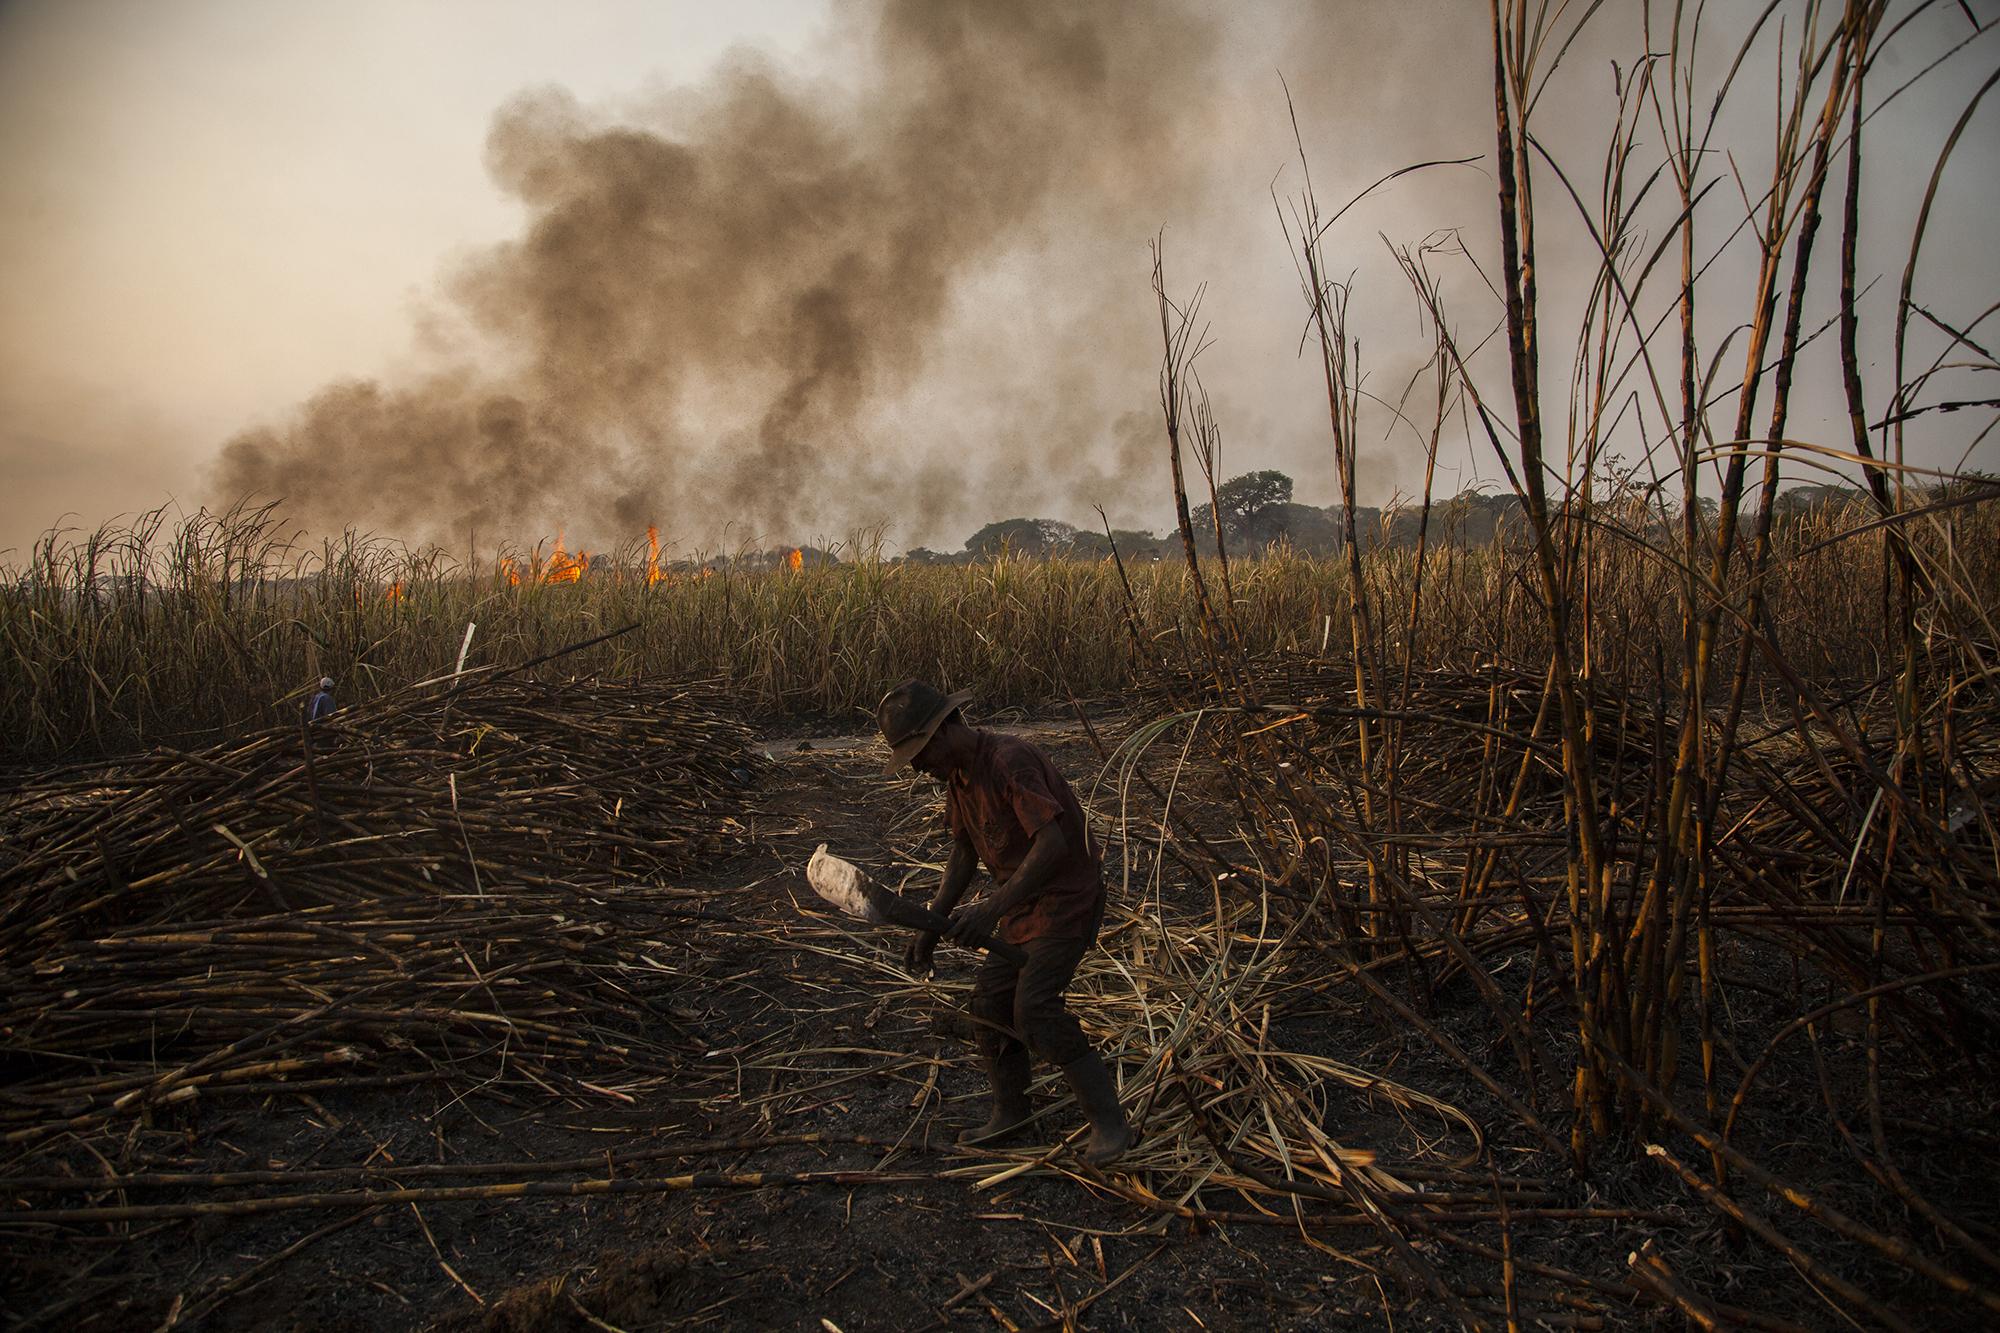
x=1008 y=1074
x=1110 y=1135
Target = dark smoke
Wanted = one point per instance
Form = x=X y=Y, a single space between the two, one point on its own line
x=706 y=301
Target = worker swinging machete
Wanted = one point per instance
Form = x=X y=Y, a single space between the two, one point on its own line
x=1006 y=806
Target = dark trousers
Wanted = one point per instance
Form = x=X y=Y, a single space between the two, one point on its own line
x=1021 y=1008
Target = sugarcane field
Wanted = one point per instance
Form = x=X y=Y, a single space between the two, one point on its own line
x=1466 y=795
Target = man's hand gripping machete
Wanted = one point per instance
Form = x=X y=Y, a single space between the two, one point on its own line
x=846 y=887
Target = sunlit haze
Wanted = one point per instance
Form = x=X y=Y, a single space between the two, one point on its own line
x=479 y=272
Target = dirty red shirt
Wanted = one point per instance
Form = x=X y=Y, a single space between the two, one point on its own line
x=1005 y=796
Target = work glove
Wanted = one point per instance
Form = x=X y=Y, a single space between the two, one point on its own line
x=917 y=953
x=973 y=926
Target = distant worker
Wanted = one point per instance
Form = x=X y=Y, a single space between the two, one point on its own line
x=1007 y=806
x=321 y=704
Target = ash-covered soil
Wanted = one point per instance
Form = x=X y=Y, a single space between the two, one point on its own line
x=797 y=1025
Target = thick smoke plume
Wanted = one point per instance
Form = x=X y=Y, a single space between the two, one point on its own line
x=709 y=295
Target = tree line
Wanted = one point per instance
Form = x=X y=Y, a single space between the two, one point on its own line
x=1257 y=514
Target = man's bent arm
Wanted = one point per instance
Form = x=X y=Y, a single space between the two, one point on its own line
x=958 y=872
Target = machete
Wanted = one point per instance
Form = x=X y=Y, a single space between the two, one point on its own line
x=848 y=888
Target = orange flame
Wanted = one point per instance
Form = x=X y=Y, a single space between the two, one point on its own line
x=796 y=560
x=566 y=568
x=395 y=593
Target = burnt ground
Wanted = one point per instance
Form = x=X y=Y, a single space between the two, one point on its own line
x=794 y=1025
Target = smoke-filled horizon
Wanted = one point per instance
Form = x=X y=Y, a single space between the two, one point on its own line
x=711 y=292
x=896 y=278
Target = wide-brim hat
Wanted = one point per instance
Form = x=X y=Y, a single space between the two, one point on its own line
x=910 y=715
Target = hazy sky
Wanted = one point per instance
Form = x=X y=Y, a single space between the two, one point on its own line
x=212 y=207
x=761 y=270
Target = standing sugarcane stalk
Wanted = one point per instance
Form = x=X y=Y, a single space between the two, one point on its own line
x=1181 y=341
x=1589 y=875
